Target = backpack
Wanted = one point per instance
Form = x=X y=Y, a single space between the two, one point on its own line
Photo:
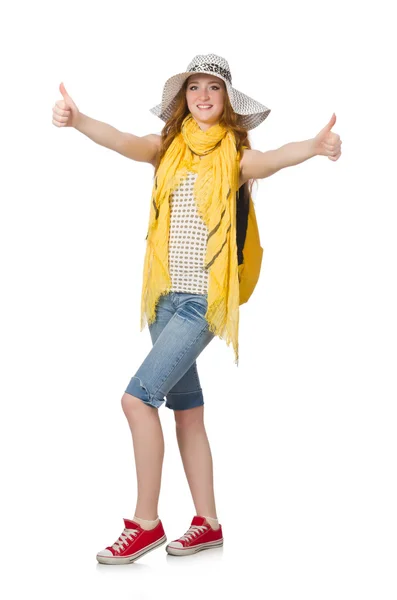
x=249 y=249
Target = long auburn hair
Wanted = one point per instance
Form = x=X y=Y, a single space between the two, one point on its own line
x=229 y=119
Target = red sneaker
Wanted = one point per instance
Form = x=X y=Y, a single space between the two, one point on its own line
x=200 y=536
x=133 y=543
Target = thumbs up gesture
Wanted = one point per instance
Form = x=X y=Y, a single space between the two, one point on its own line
x=327 y=142
x=65 y=112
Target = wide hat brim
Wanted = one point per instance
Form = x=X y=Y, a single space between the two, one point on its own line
x=252 y=113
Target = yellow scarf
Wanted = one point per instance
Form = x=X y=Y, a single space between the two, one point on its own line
x=215 y=194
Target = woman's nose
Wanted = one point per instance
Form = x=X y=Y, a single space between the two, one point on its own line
x=204 y=95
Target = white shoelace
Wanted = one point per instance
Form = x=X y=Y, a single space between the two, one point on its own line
x=193 y=531
x=126 y=535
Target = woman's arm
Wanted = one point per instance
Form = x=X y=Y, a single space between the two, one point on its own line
x=142 y=149
x=65 y=113
x=255 y=164
x=258 y=165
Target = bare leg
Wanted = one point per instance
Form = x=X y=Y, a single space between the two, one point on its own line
x=148 y=442
x=197 y=459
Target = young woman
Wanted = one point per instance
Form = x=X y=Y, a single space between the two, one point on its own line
x=202 y=261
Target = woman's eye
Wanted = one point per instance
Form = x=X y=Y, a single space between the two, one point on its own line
x=213 y=86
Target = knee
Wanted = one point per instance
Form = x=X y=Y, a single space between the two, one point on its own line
x=192 y=417
x=131 y=404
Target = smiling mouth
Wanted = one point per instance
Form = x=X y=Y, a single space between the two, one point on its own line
x=204 y=107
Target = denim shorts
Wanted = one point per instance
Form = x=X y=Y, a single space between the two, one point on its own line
x=179 y=333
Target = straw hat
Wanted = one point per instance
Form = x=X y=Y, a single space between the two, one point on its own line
x=252 y=112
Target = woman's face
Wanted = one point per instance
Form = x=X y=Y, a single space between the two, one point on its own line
x=207 y=90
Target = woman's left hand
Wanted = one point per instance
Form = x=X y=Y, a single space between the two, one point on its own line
x=328 y=143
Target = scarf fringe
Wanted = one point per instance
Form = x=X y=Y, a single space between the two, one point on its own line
x=151 y=294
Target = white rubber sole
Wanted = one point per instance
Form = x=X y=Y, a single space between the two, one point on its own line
x=194 y=549
x=125 y=560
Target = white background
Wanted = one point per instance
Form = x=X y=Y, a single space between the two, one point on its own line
x=303 y=431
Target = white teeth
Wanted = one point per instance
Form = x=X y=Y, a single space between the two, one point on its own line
x=203 y=106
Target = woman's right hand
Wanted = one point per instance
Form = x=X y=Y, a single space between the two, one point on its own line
x=64 y=112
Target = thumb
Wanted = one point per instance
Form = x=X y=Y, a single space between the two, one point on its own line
x=328 y=127
x=331 y=123
x=68 y=100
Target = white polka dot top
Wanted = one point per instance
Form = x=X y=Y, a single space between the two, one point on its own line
x=187 y=240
